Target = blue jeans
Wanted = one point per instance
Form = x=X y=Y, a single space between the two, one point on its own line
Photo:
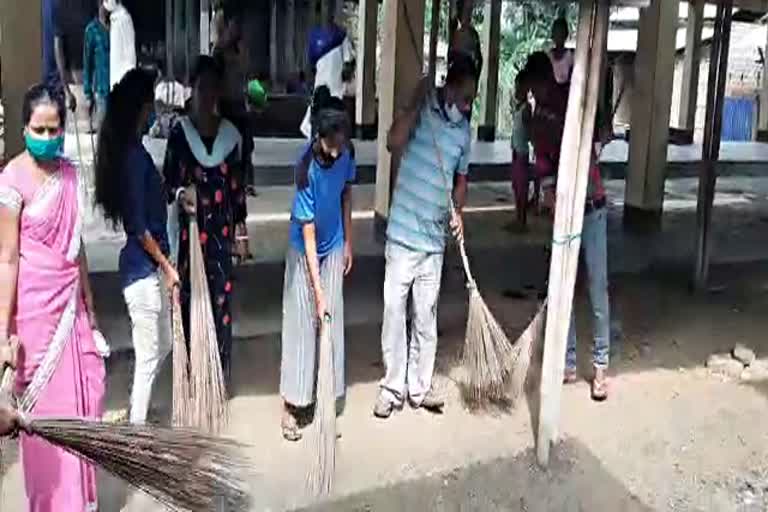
x=595 y=249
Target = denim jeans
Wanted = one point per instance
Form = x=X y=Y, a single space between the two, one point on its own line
x=594 y=247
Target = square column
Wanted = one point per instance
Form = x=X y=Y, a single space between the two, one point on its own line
x=365 y=101
x=489 y=79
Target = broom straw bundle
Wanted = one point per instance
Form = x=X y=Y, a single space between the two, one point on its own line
x=183 y=470
x=323 y=434
x=209 y=395
x=182 y=394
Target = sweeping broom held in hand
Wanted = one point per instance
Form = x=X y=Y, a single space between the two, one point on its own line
x=489 y=358
x=323 y=434
x=209 y=395
x=182 y=394
x=183 y=470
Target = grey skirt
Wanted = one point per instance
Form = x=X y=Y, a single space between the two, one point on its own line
x=298 y=369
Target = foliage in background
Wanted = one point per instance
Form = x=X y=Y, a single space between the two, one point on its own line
x=526 y=27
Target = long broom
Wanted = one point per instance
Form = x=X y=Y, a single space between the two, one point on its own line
x=209 y=394
x=182 y=394
x=489 y=358
x=183 y=470
x=323 y=433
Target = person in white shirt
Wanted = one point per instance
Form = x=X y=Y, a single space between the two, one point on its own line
x=122 y=41
x=561 y=57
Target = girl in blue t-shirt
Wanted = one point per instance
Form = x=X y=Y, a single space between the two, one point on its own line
x=319 y=256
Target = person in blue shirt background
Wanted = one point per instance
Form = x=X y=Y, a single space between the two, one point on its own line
x=96 y=66
x=130 y=191
x=319 y=257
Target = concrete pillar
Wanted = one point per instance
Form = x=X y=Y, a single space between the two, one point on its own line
x=489 y=79
x=21 y=53
x=397 y=81
x=651 y=102
x=365 y=96
x=763 y=117
x=689 y=87
x=290 y=38
x=205 y=27
x=274 y=46
x=434 y=36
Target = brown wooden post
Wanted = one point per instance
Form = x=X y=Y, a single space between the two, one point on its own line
x=21 y=53
x=577 y=146
x=718 y=72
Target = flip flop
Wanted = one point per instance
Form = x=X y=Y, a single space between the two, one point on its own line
x=290 y=429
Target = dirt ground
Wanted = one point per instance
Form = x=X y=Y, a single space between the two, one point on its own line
x=671 y=437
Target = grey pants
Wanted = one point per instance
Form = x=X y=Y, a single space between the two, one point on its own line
x=298 y=369
x=410 y=363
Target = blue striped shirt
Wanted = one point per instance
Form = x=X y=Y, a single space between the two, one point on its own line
x=420 y=212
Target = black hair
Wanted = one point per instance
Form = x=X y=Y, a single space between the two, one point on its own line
x=521 y=80
x=329 y=113
x=205 y=64
x=41 y=94
x=118 y=132
x=460 y=67
x=560 y=23
x=538 y=67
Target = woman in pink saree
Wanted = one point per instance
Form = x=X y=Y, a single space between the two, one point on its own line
x=45 y=299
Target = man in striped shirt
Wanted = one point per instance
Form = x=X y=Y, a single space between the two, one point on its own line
x=432 y=138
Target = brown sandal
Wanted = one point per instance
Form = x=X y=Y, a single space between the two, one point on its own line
x=599 y=389
x=290 y=428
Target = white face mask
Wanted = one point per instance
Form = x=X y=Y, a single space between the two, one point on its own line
x=454 y=114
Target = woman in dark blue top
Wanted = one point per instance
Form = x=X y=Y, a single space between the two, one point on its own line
x=131 y=192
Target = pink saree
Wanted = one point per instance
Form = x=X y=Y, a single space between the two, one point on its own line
x=60 y=370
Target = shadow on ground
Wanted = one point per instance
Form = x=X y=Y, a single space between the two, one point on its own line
x=510 y=484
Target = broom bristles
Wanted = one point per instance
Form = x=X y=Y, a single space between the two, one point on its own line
x=488 y=357
x=529 y=341
x=209 y=395
x=181 y=469
x=323 y=432
x=182 y=395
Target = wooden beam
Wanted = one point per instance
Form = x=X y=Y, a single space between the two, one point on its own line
x=400 y=72
x=21 y=53
x=718 y=72
x=690 y=84
x=365 y=102
x=577 y=146
x=434 y=37
x=489 y=80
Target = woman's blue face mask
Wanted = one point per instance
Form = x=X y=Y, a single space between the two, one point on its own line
x=44 y=150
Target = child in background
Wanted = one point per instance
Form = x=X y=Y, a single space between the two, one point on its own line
x=521 y=171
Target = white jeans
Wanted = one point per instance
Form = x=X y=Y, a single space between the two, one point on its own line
x=149 y=310
x=418 y=273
